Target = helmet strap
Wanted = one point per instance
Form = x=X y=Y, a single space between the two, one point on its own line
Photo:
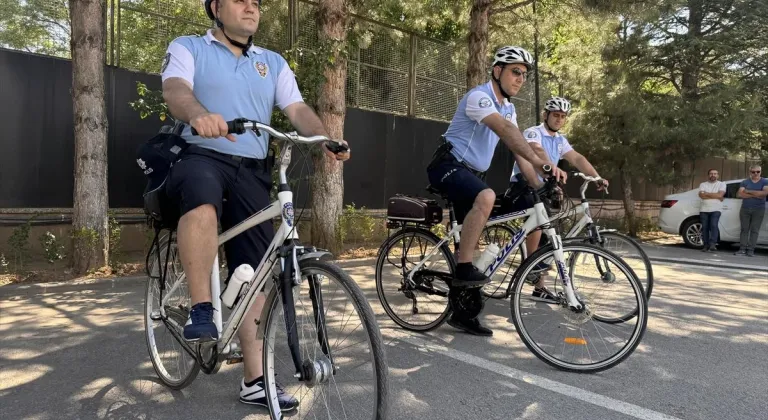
x=245 y=47
x=498 y=83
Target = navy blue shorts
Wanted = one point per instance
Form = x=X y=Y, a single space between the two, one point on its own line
x=458 y=183
x=237 y=189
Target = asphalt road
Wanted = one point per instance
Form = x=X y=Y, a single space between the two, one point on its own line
x=78 y=352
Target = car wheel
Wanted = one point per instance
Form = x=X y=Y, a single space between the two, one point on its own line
x=691 y=232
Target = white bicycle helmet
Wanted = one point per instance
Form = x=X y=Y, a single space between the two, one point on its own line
x=557 y=103
x=513 y=55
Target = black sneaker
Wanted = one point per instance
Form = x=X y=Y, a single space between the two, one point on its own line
x=544 y=295
x=471 y=326
x=200 y=326
x=257 y=395
x=467 y=275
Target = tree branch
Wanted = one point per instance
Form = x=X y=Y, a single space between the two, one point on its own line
x=510 y=7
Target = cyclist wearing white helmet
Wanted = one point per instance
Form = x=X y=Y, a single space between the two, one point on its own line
x=484 y=116
x=548 y=143
x=208 y=80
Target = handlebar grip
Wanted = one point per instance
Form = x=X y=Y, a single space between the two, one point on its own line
x=547 y=169
x=335 y=147
x=233 y=127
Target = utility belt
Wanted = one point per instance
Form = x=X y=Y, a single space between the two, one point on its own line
x=443 y=154
x=264 y=165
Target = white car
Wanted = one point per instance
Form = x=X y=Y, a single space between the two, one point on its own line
x=680 y=216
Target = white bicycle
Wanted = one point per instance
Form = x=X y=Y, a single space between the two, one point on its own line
x=319 y=332
x=593 y=332
x=624 y=246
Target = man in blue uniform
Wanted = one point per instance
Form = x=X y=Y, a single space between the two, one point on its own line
x=484 y=116
x=546 y=140
x=208 y=80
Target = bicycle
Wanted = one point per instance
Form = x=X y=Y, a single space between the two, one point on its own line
x=630 y=250
x=417 y=279
x=317 y=365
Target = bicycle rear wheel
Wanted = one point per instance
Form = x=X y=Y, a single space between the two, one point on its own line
x=577 y=340
x=350 y=372
x=423 y=305
x=172 y=362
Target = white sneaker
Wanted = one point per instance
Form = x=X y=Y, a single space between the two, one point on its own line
x=257 y=395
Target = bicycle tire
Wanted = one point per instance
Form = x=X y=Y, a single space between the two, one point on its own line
x=178 y=315
x=363 y=309
x=639 y=295
x=382 y=259
x=646 y=262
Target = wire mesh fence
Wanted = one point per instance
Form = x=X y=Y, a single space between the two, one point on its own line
x=390 y=70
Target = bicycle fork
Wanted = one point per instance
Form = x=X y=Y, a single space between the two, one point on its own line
x=310 y=371
x=557 y=244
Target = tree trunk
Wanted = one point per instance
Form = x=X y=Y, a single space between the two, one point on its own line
x=89 y=222
x=692 y=65
x=477 y=67
x=629 y=202
x=327 y=181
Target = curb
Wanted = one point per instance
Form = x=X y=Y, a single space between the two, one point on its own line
x=84 y=282
x=688 y=261
x=356 y=262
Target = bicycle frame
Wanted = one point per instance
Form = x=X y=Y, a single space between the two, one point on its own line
x=282 y=207
x=535 y=217
x=284 y=246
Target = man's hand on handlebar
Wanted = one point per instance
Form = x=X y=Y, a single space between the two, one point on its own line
x=338 y=153
x=211 y=126
x=559 y=175
x=602 y=185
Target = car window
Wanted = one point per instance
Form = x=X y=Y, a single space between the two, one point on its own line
x=731 y=190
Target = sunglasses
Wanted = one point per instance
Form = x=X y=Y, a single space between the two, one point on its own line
x=519 y=73
x=754 y=172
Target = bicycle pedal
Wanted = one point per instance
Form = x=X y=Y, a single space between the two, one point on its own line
x=235 y=358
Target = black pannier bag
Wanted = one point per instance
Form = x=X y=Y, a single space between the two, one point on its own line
x=420 y=210
x=155 y=158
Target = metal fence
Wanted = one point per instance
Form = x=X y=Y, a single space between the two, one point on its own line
x=389 y=69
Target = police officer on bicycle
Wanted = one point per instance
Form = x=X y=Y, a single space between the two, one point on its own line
x=484 y=116
x=223 y=177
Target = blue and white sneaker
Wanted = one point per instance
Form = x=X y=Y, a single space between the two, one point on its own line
x=257 y=395
x=200 y=326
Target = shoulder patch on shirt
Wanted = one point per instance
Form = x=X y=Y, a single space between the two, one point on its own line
x=531 y=135
x=166 y=61
x=262 y=68
x=508 y=117
x=485 y=102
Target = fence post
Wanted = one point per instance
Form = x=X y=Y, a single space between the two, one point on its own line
x=412 y=78
x=293 y=23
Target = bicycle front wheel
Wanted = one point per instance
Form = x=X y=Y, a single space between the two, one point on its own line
x=340 y=344
x=577 y=340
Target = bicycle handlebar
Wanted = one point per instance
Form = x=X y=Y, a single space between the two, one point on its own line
x=587 y=179
x=240 y=125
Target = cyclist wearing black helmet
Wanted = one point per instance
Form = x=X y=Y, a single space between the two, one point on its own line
x=208 y=80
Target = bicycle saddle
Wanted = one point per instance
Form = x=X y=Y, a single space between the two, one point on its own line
x=434 y=191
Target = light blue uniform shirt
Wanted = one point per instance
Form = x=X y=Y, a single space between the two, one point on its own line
x=235 y=87
x=556 y=146
x=474 y=143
